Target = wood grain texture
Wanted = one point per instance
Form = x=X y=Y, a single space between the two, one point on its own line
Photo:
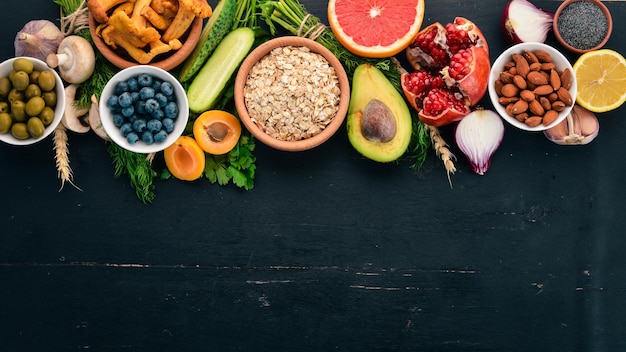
x=329 y=251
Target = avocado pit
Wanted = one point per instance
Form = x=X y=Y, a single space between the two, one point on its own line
x=377 y=122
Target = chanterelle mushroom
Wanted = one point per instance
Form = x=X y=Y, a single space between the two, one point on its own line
x=99 y=8
x=75 y=59
x=188 y=10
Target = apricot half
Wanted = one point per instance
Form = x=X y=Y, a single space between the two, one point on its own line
x=185 y=159
x=216 y=131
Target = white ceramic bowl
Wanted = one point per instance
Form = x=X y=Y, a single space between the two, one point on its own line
x=561 y=63
x=5 y=68
x=106 y=115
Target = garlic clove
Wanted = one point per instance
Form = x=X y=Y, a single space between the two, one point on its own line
x=579 y=128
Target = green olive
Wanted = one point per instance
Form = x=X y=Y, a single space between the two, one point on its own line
x=5 y=122
x=15 y=95
x=47 y=115
x=4 y=107
x=35 y=127
x=50 y=98
x=21 y=80
x=34 y=76
x=5 y=86
x=31 y=91
x=18 y=110
x=34 y=106
x=19 y=130
x=23 y=64
x=46 y=81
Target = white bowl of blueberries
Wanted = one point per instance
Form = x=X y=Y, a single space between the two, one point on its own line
x=144 y=109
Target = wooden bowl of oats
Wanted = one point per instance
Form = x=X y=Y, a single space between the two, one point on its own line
x=292 y=93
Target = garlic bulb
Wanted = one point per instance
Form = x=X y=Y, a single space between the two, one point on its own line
x=37 y=39
x=580 y=127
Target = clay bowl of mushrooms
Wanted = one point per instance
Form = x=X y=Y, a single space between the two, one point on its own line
x=161 y=33
x=292 y=93
x=32 y=100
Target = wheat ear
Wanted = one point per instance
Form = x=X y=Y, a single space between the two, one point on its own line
x=61 y=156
x=442 y=151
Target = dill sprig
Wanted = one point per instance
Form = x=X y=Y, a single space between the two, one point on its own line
x=139 y=169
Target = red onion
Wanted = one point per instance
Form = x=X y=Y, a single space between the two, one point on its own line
x=478 y=135
x=523 y=22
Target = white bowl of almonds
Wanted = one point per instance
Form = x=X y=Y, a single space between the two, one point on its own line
x=532 y=86
x=292 y=93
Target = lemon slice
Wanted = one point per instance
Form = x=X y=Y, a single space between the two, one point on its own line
x=601 y=79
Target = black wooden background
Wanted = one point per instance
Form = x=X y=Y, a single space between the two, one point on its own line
x=329 y=251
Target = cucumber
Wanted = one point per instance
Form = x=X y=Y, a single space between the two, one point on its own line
x=218 y=25
x=206 y=88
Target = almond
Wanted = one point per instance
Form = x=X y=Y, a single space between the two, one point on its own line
x=549 y=117
x=506 y=77
x=497 y=85
x=536 y=78
x=530 y=57
x=543 y=56
x=521 y=64
x=520 y=82
x=547 y=66
x=566 y=78
x=533 y=121
x=558 y=106
x=521 y=117
x=536 y=108
x=519 y=107
x=543 y=90
x=535 y=66
x=527 y=95
x=565 y=96
x=545 y=103
x=504 y=101
x=510 y=90
x=555 y=79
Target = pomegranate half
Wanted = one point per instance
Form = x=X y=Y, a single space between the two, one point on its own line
x=451 y=71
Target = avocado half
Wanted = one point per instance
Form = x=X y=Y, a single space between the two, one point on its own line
x=369 y=85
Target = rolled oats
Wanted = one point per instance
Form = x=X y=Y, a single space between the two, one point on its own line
x=292 y=93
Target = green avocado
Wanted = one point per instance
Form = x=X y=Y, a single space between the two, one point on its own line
x=379 y=121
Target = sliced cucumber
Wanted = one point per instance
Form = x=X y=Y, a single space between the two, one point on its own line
x=218 y=25
x=207 y=86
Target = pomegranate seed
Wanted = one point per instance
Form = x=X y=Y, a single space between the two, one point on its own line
x=439 y=99
x=461 y=64
x=457 y=38
x=420 y=82
x=427 y=43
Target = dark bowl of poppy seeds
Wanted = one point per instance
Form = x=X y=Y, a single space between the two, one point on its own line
x=582 y=25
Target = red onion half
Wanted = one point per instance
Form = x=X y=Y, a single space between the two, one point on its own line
x=524 y=22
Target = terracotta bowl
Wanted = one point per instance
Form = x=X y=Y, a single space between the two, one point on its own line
x=559 y=60
x=165 y=61
x=568 y=46
x=303 y=144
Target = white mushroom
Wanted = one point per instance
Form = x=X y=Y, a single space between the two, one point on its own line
x=75 y=59
x=94 y=119
x=74 y=117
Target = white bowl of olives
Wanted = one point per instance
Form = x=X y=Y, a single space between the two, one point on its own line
x=32 y=100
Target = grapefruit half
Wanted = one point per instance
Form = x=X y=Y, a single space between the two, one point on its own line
x=375 y=28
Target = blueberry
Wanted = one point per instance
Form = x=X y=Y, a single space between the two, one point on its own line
x=140 y=107
x=118 y=120
x=134 y=96
x=146 y=93
x=161 y=98
x=154 y=125
x=113 y=103
x=147 y=137
x=160 y=136
x=125 y=100
x=132 y=138
x=126 y=128
x=132 y=118
x=139 y=125
x=133 y=85
x=121 y=87
x=151 y=106
x=156 y=84
x=128 y=111
x=171 y=110
x=158 y=114
x=168 y=125
x=167 y=88
x=144 y=80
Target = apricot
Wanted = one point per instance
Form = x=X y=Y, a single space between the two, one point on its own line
x=216 y=131
x=185 y=159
